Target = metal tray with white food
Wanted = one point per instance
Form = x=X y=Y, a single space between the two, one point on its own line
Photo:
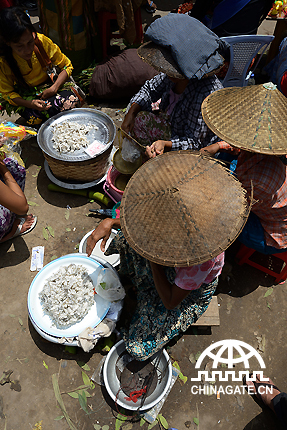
x=104 y=132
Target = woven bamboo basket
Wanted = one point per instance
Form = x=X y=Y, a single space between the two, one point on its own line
x=84 y=171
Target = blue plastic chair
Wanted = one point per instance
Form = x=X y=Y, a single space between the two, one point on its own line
x=242 y=51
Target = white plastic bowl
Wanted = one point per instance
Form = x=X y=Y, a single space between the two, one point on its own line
x=112 y=382
x=113 y=259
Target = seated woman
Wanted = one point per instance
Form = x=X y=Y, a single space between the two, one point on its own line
x=261 y=167
x=277 y=68
x=13 y=201
x=187 y=54
x=21 y=72
x=175 y=224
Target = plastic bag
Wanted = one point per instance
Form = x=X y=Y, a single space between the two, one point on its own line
x=130 y=152
x=109 y=286
x=11 y=134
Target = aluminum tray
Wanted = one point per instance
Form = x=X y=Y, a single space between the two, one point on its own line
x=105 y=133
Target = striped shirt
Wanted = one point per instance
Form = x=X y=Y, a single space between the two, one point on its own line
x=188 y=130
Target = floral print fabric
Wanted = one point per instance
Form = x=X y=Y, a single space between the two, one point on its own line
x=150 y=127
x=191 y=278
x=64 y=100
x=153 y=325
x=6 y=216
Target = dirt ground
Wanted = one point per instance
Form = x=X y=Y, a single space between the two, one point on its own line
x=246 y=314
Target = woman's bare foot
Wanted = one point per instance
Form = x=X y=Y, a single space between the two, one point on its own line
x=263 y=390
x=24 y=226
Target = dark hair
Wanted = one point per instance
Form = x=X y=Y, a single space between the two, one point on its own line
x=13 y=23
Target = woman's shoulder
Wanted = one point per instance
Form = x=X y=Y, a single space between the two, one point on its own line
x=46 y=41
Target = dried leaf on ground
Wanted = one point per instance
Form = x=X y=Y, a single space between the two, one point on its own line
x=53 y=257
x=32 y=204
x=67 y=214
x=128 y=426
x=192 y=358
x=261 y=342
x=197 y=355
x=105 y=427
x=20 y=321
x=59 y=418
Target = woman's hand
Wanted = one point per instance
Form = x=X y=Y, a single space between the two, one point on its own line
x=40 y=105
x=158 y=148
x=48 y=92
x=103 y=231
x=211 y=149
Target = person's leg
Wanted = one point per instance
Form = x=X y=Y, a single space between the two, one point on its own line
x=274 y=399
x=280 y=407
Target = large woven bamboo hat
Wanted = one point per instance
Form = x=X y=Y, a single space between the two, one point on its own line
x=182 y=208
x=252 y=118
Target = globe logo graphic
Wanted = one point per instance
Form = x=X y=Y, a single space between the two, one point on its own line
x=232 y=348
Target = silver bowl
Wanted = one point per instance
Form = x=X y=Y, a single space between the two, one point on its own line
x=112 y=383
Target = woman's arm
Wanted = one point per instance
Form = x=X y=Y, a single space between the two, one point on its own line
x=129 y=119
x=103 y=231
x=11 y=195
x=32 y=104
x=170 y=294
x=53 y=89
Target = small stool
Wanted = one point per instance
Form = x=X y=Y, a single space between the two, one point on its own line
x=105 y=28
x=243 y=257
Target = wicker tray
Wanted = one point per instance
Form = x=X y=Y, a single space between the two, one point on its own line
x=79 y=165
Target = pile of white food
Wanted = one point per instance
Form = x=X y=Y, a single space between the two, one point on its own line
x=68 y=295
x=69 y=136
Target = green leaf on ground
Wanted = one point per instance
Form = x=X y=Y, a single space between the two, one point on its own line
x=83 y=401
x=92 y=201
x=59 y=418
x=20 y=321
x=45 y=234
x=45 y=365
x=67 y=214
x=128 y=426
x=105 y=427
x=74 y=394
x=32 y=204
x=86 y=379
x=119 y=421
x=176 y=365
x=182 y=377
x=68 y=229
x=268 y=292
x=77 y=246
x=12 y=315
x=197 y=355
x=60 y=401
x=142 y=422
x=83 y=365
x=151 y=425
x=53 y=257
x=268 y=305
x=97 y=427
x=51 y=231
x=196 y=421
x=162 y=420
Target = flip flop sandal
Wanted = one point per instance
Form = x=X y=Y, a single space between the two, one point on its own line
x=257 y=396
x=19 y=227
x=149 y=7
